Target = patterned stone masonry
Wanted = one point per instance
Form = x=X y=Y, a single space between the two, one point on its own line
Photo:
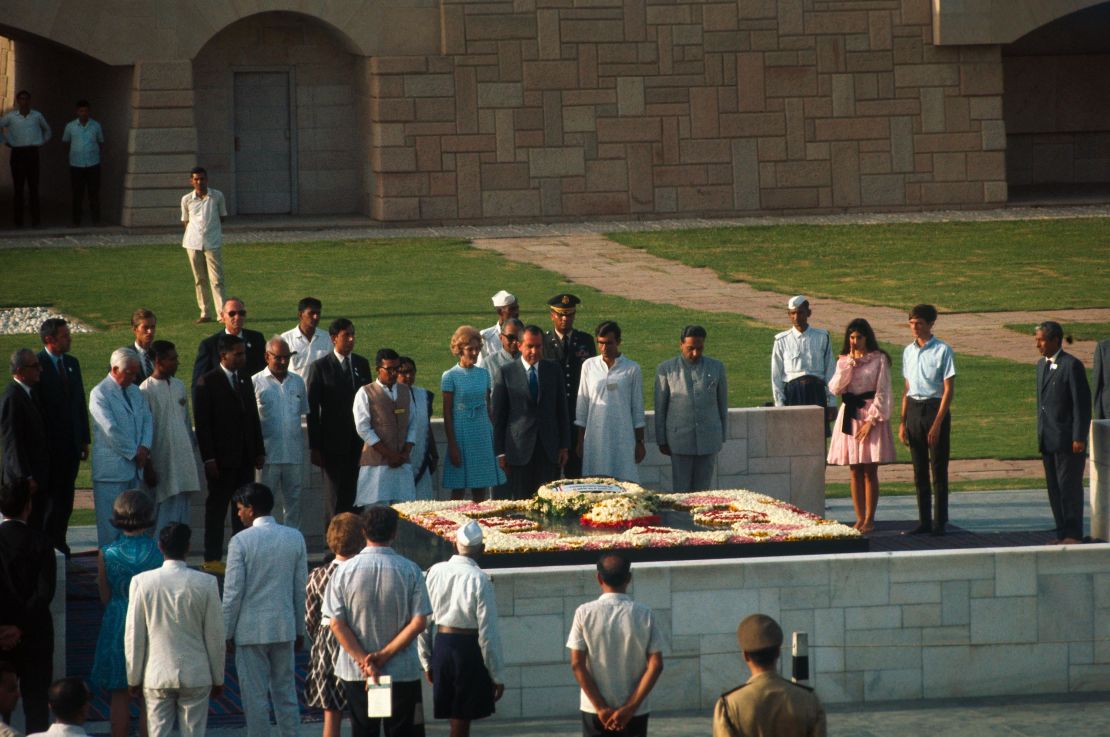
x=557 y=109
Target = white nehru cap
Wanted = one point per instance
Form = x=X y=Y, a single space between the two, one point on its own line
x=469 y=534
x=796 y=301
x=504 y=299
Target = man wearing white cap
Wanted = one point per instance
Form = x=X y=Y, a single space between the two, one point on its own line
x=505 y=304
x=464 y=665
x=802 y=362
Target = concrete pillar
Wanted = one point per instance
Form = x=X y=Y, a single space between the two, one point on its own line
x=162 y=145
x=1100 y=479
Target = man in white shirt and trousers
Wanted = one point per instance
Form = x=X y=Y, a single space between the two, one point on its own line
x=282 y=401
x=307 y=343
x=802 y=363
x=506 y=306
x=464 y=664
x=202 y=212
x=616 y=653
x=174 y=639
x=264 y=603
x=173 y=453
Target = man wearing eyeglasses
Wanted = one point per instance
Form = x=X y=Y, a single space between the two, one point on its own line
x=282 y=400
x=507 y=308
x=511 y=333
x=233 y=315
x=383 y=419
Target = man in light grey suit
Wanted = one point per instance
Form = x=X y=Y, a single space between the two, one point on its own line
x=267 y=568
x=531 y=424
x=123 y=431
x=691 y=412
x=174 y=639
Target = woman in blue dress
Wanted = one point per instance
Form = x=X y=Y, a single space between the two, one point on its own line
x=131 y=553
x=466 y=387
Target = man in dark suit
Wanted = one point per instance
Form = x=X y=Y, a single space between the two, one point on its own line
x=229 y=435
x=334 y=444
x=569 y=348
x=1102 y=380
x=65 y=413
x=22 y=430
x=27 y=577
x=1063 y=420
x=233 y=315
x=144 y=325
x=531 y=424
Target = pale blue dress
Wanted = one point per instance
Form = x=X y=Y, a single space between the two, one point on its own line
x=124 y=557
x=473 y=430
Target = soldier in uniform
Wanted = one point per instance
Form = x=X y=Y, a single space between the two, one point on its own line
x=768 y=704
x=569 y=348
x=802 y=363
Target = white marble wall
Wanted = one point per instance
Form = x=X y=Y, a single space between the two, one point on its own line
x=1099 y=448
x=881 y=626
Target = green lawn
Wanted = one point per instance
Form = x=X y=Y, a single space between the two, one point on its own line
x=412 y=294
x=906 y=488
x=1077 y=330
x=960 y=267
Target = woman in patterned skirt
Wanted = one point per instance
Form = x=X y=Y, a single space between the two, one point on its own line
x=321 y=687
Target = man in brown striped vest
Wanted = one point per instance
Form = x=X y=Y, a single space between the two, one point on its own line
x=383 y=412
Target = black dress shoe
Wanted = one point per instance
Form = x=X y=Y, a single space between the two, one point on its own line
x=938 y=531
x=919 y=530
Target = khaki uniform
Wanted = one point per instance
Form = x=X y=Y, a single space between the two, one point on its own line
x=768 y=705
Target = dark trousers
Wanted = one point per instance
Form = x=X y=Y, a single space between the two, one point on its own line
x=216 y=506
x=408 y=711
x=920 y=415
x=1063 y=472
x=34 y=660
x=59 y=500
x=591 y=727
x=25 y=172
x=524 y=480
x=84 y=179
x=341 y=480
x=807 y=391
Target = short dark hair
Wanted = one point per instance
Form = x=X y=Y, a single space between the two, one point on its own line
x=132 y=510
x=198 y=170
x=386 y=354
x=141 y=314
x=67 y=697
x=693 y=331
x=608 y=327
x=83 y=103
x=407 y=360
x=307 y=303
x=8 y=667
x=615 y=569
x=161 y=349
x=928 y=313
x=21 y=93
x=338 y=325
x=381 y=523
x=531 y=329
x=14 y=497
x=764 y=658
x=226 y=343
x=256 y=496
x=50 y=327
x=173 y=539
x=17 y=359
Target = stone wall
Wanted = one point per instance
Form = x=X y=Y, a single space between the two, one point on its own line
x=905 y=626
x=625 y=108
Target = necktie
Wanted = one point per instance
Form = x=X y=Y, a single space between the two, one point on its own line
x=234 y=379
x=127 y=398
x=148 y=367
x=350 y=371
x=533 y=383
x=61 y=366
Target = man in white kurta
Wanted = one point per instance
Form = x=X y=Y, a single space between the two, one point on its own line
x=383 y=419
x=506 y=306
x=282 y=401
x=610 y=411
x=173 y=453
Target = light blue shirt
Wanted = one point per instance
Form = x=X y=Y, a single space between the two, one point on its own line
x=84 y=143
x=20 y=131
x=926 y=367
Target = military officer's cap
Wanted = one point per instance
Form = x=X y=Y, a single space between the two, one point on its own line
x=758 y=632
x=563 y=303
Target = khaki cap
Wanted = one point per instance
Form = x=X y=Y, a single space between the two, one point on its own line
x=758 y=632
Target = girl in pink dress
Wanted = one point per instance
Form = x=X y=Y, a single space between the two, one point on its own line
x=862 y=438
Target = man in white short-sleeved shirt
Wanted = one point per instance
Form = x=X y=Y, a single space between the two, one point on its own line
x=202 y=212
x=86 y=140
x=616 y=654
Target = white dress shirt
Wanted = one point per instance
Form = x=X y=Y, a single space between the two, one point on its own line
x=203 y=232
x=281 y=404
x=305 y=352
x=61 y=730
x=797 y=354
x=24 y=130
x=462 y=596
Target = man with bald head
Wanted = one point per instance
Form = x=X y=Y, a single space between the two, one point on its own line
x=233 y=314
x=282 y=400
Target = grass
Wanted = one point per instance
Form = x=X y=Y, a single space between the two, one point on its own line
x=412 y=294
x=1077 y=330
x=960 y=267
x=906 y=488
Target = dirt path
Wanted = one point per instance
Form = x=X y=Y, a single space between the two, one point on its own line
x=609 y=267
